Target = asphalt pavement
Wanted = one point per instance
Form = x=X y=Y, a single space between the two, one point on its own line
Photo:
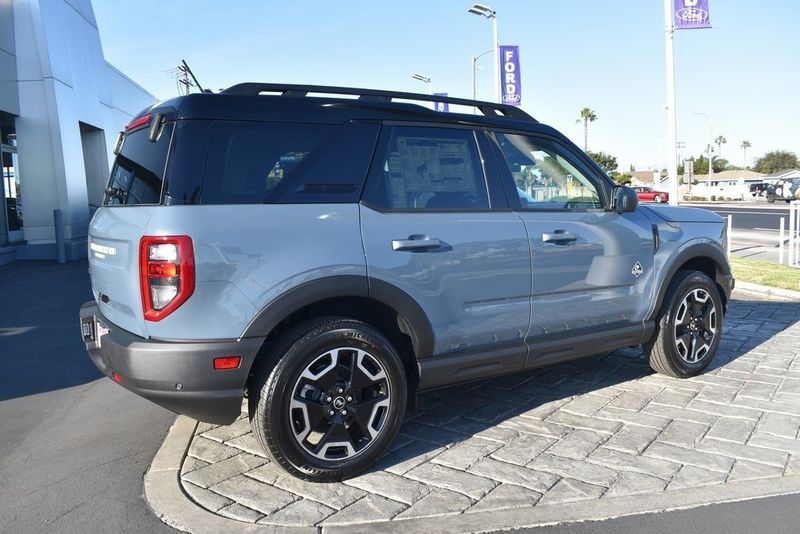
x=73 y=444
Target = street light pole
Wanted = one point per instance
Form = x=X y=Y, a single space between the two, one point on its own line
x=474 y=72
x=672 y=118
x=710 y=144
x=489 y=13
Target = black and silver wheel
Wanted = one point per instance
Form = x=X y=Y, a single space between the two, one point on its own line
x=688 y=328
x=658 y=199
x=334 y=401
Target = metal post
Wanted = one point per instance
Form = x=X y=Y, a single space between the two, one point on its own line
x=496 y=59
x=780 y=241
x=791 y=235
x=730 y=228
x=672 y=119
x=58 y=224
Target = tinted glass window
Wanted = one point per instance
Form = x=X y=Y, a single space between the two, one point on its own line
x=254 y=163
x=139 y=168
x=429 y=168
x=545 y=177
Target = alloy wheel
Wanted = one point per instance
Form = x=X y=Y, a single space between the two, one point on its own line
x=340 y=404
x=695 y=325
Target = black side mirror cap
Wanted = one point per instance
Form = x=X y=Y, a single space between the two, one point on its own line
x=625 y=199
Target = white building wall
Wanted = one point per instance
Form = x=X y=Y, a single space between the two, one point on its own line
x=63 y=81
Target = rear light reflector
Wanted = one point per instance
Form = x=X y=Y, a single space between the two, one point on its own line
x=166 y=274
x=137 y=123
x=227 y=362
x=116 y=377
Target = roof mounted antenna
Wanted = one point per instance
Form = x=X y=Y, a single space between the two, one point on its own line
x=186 y=66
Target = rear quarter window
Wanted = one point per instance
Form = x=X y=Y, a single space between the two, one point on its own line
x=280 y=163
x=138 y=172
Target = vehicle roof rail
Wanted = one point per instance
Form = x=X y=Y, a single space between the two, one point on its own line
x=487 y=108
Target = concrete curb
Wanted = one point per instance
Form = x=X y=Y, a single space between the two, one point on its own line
x=163 y=492
x=769 y=291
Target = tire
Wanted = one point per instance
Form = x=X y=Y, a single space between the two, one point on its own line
x=291 y=402
x=657 y=199
x=673 y=350
x=771 y=198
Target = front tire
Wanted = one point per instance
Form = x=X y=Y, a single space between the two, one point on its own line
x=689 y=326
x=771 y=198
x=334 y=401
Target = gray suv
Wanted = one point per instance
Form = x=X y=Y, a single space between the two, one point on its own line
x=326 y=253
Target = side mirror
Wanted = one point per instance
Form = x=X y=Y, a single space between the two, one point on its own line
x=625 y=199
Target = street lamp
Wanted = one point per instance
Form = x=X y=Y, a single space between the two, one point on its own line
x=710 y=144
x=489 y=13
x=424 y=79
x=474 y=70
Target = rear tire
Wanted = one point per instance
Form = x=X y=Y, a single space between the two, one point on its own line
x=688 y=328
x=658 y=199
x=770 y=198
x=333 y=402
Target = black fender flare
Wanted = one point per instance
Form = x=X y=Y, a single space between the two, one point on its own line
x=703 y=250
x=410 y=313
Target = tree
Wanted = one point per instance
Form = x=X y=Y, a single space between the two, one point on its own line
x=744 y=146
x=587 y=116
x=775 y=161
x=701 y=165
x=720 y=140
x=621 y=178
x=607 y=162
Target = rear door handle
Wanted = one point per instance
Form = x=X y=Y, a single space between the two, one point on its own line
x=559 y=236
x=416 y=243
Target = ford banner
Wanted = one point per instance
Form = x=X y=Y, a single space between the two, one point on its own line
x=441 y=106
x=691 y=14
x=509 y=76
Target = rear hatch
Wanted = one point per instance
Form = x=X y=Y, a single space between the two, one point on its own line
x=134 y=188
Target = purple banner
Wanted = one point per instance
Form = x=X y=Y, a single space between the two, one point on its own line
x=441 y=106
x=510 y=80
x=691 y=14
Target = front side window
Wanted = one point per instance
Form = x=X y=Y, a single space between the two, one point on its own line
x=429 y=168
x=544 y=177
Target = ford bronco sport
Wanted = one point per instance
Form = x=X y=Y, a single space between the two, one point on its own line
x=328 y=252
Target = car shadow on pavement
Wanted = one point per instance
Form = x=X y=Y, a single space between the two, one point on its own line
x=40 y=343
x=573 y=394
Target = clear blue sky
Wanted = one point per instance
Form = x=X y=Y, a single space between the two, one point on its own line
x=604 y=54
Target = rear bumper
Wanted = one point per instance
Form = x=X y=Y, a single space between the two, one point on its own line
x=176 y=375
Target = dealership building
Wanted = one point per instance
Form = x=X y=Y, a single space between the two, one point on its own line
x=61 y=107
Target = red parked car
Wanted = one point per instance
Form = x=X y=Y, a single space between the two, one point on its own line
x=648 y=194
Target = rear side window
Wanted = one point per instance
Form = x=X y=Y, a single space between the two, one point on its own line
x=428 y=168
x=279 y=163
x=138 y=171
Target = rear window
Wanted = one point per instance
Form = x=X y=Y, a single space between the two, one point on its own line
x=280 y=163
x=138 y=171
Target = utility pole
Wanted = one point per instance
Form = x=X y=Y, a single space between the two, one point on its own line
x=672 y=117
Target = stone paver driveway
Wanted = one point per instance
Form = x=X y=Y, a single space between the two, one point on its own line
x=585 y=431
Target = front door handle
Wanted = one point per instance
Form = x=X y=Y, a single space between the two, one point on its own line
x=415 y=242
x=559 y=236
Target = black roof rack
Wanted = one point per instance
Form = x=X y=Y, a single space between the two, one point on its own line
x=487 y=108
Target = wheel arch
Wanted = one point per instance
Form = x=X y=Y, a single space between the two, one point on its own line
x=389 y=309
x=704 y=257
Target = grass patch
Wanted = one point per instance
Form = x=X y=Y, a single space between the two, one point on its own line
x=765 y=273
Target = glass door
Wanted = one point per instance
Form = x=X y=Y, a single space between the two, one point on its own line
x=12 y=193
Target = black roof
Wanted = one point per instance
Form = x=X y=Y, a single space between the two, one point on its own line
x=336 y=105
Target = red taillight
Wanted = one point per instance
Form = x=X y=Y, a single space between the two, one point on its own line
x=227 y=362
x=137 y=123
x=166 y=274
x=116 y=377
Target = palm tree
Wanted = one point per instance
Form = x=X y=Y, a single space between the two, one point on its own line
x=587 y=116
x=720 y=140
x=744 y=146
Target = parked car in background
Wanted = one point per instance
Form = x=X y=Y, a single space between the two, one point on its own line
x=648 y=194
x=758 y=189
x=787 y=190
